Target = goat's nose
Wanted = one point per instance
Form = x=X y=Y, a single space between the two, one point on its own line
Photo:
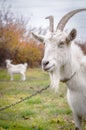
x=45 y=63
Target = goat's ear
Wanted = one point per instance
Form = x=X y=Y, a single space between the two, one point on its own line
x=38 y=37
x=72 y=35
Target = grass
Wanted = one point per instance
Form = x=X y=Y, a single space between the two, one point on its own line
x=45 y=111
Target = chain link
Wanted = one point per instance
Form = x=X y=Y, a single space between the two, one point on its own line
x=28 y=97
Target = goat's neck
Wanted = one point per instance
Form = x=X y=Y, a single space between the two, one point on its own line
x=70 y=67
x=73 y=63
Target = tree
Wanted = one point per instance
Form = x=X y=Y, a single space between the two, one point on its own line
x=16 y=42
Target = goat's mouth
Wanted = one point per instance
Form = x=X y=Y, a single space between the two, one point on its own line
x=49 y=69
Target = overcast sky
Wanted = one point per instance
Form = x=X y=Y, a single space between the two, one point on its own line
x=37 y=10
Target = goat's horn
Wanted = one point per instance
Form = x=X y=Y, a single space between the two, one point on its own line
x=66 y=17
x=38 y=37
x=51 y=19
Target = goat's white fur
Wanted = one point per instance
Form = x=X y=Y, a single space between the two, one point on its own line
x=62 y=60
x=16 y=69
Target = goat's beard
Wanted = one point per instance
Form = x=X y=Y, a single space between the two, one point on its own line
x=55 y=79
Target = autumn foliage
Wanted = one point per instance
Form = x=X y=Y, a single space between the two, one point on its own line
x=16 y=41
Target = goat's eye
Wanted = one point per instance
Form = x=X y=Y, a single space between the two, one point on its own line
x=61 y=44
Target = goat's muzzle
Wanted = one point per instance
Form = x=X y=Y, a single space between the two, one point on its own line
x=47 y=66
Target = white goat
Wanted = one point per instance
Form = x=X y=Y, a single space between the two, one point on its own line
x=65 y=61
x=16 y=69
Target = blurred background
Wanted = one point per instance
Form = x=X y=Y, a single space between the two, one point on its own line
x=19 y=17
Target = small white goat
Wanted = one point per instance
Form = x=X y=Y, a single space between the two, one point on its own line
x=16 y=69
x=64 y=60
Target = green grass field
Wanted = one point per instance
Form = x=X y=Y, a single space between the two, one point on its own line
x=45 y=111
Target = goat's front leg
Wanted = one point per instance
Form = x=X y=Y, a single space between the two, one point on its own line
x=23 y=77
x=11 y=77
x=78 y=122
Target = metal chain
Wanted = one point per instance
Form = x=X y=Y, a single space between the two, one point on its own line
x=28 y=97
